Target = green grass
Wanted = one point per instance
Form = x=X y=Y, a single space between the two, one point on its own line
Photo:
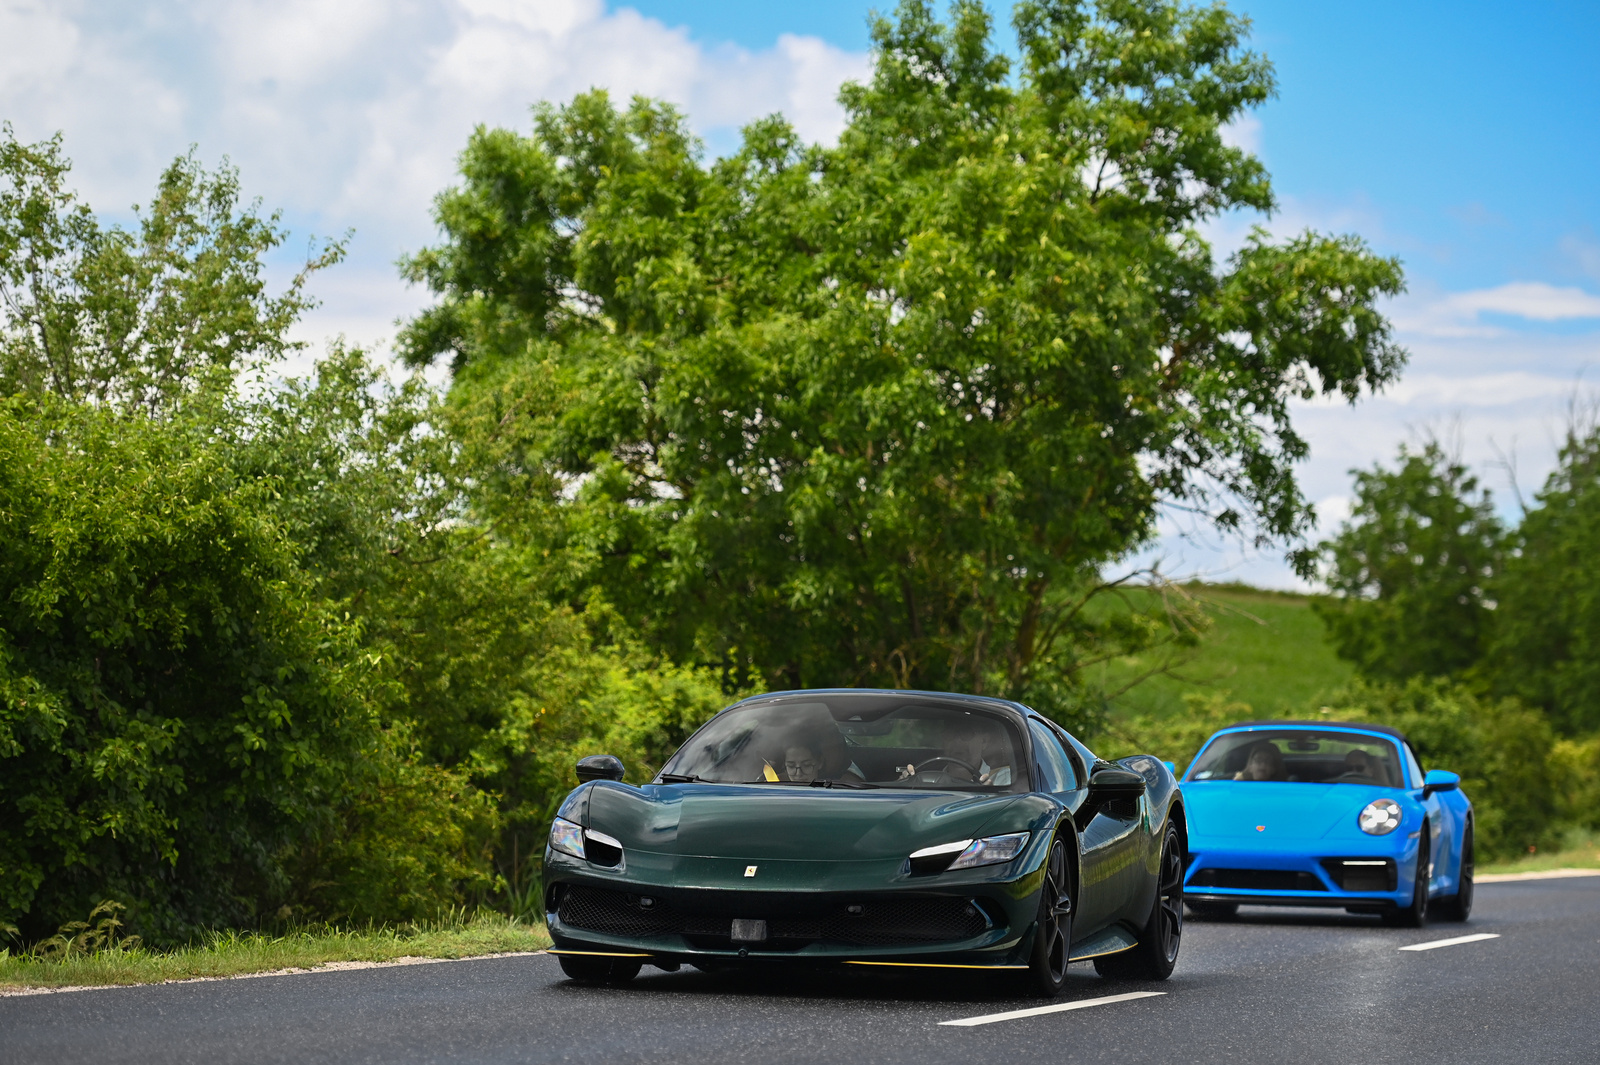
x=1580 y=850
x=237 y=954
x=1263 y=648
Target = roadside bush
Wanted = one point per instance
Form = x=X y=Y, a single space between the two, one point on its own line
x=179 y=712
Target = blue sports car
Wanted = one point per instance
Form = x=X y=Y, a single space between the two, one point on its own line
x=1320 y=813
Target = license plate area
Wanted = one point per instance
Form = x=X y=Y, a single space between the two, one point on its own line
x=749 y=931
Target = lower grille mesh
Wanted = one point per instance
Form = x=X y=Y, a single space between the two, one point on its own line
x=907 y=919
x=1257 y=880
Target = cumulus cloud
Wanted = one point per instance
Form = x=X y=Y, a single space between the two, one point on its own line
x=350 y=114
x=1462 y=314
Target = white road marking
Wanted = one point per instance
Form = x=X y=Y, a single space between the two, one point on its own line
x=1435 y=944
x=991 y=1018
x=1548 y=874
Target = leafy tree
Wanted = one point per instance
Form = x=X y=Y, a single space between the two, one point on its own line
x=135 y=318
x=883 y=413
x=1412 y=567
x=179 y=713
x=190 y=718
x=1546 y=646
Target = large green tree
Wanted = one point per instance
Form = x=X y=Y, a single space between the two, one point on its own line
x=884 y=412
x=1546 y=641
x=136 y=317
x=1412 y=569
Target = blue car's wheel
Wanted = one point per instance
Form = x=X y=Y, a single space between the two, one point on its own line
x=1416 y=914
x=1458 y=907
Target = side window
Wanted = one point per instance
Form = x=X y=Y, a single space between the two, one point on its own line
x=1077 y=769
x=1055 y=773
x=1413 y=767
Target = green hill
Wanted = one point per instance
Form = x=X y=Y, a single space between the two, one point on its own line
x=1262 y=648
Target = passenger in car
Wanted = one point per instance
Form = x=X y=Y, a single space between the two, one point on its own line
x=801 y=763
x=1265 y=763
x=973 y=741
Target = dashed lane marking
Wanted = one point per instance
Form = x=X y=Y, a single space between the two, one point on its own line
x=1037 y=1011
x=1437 y=943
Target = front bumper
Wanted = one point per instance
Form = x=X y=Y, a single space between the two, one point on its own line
x=977 y=925
x=1373 y=874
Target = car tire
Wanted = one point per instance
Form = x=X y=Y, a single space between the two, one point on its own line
x=1157 y=952
x=593 y=970
x=1416 y=914
x=1458 y=907
x=1052 y=934
x=1213 y=911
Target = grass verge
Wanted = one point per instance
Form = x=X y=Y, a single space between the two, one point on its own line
x=1580 y=850
x=225 y=954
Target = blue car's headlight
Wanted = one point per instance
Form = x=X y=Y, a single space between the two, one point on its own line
x=566 y=837
x=1380 y=817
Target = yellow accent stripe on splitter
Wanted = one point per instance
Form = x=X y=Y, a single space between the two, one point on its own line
x=1101 y=953
x=932 y=965
x=597 y=953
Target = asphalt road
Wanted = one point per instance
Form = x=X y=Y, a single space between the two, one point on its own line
x=1268 y=987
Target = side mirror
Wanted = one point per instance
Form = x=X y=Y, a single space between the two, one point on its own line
x=1112 y=783
x=599 y=767
x=1439 y=780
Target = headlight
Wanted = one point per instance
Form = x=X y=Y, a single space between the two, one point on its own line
x=991 y=850
x=1381 y=817
x=566 y=837
x=967 y=853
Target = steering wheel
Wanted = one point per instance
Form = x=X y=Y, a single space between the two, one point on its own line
x=971 y=769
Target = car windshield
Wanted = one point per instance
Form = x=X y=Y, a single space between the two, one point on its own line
x=1303 y=755
x=855 y=740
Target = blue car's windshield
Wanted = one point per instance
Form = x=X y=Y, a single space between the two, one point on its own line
x=1303 y=755
x=845 y=739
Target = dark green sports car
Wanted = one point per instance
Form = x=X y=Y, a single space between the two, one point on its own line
x=872 y=828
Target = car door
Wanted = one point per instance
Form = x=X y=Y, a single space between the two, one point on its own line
x=1443 y=832
x=1099 y=887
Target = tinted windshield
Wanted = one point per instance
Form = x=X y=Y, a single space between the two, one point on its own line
x=889 y=741
x=1303 y=755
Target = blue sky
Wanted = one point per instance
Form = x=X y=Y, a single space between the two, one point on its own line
x=1460 y=137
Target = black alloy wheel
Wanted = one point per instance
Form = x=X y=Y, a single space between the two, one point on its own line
x=1458 y=907
x=1416 y=914
x=1162 y=935
x=1052 y=936
x=588 y=969
x=1213 y=911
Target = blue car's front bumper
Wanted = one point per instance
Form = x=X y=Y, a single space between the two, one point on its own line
x=1376 y=874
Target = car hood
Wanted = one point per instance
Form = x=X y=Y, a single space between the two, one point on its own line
x=1266 y=810
x=754 y=822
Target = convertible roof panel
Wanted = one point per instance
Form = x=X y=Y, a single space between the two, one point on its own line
x=1362 y=725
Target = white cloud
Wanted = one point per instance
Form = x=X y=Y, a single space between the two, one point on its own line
x=1461 y=314
x=351 y=114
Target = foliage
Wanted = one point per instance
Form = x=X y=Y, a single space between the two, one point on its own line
x=1262 y=648
x=881 y=414
x=136 y=319
x=1176 y=738
x=87 y=937
x=180 y=710
x=1546 y=646
x=1412 y=567
x=299 y=946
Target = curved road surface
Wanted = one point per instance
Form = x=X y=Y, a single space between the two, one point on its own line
x=1269 y=987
